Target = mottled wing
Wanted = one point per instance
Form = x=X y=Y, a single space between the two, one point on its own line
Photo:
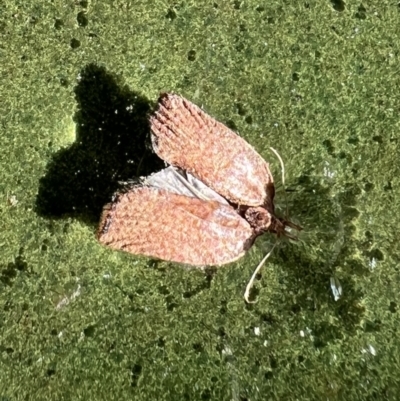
x=185 y=136
x=162 y=224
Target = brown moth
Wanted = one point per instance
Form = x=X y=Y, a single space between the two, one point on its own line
x=208 y=207
x=185 y=136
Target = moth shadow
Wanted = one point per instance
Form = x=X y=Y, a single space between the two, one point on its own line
x=112 y=144
x=325 y=255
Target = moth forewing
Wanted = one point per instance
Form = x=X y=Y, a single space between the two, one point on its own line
x=165 y=225
x=185 y=136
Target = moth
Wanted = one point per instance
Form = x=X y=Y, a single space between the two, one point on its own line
x=211 y=203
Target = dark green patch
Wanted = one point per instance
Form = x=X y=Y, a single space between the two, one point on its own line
x=338 y=5
x=75 y=43
x=82 y=19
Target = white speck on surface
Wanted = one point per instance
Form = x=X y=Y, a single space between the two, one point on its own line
x=328 y=172
x=257 y=331
x=302 y=333
x=336 y=288
x=227 y=351
x=12 y=200
x=371 y=350
x=372 y=263
x=62 y=303
x=66 y=300
x=265 y=343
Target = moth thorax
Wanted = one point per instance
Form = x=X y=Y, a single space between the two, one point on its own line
x=259 y=219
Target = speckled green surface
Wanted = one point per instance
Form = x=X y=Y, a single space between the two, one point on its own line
x=317 y=80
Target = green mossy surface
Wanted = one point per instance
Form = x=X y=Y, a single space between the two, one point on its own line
x=317 y=80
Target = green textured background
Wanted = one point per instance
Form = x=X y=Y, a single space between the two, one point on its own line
x=317 y=80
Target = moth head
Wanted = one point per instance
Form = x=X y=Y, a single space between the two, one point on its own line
x=261 y=220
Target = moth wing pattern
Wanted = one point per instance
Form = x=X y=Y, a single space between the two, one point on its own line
x=185 y=136
x=162 y=224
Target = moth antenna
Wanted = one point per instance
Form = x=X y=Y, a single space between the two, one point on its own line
x=282 y=165
x=283 y=177
x=256 y=271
